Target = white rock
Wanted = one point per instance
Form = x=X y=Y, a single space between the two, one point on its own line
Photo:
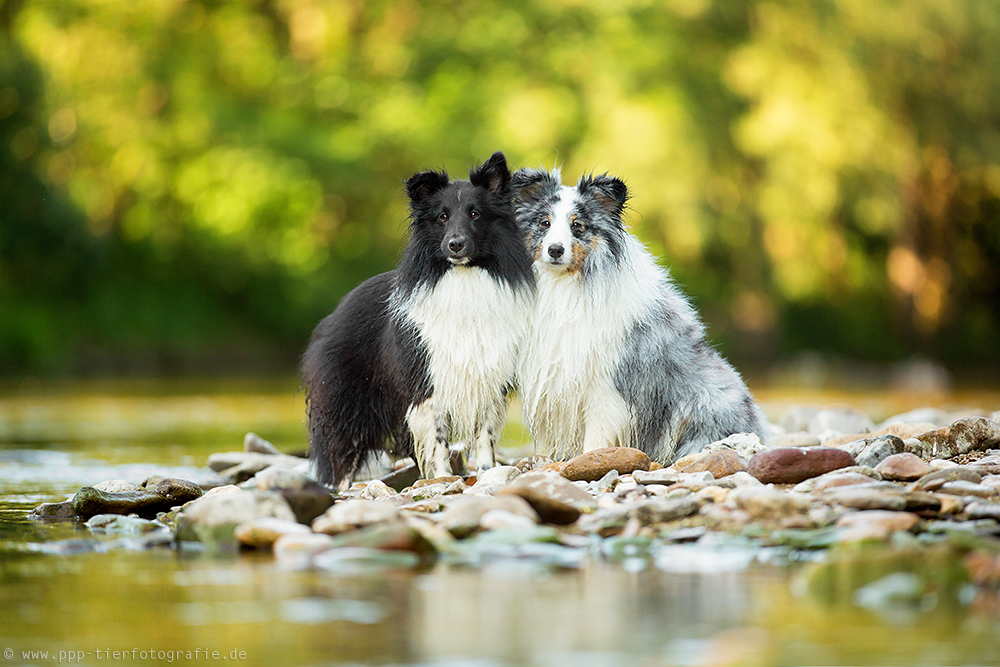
x=261 y=533
x=502 y=475
x=377 y=490
x=351 y=514
x=744 y=479
x=744 y=444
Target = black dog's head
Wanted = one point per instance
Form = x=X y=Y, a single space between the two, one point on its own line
x=460 y=217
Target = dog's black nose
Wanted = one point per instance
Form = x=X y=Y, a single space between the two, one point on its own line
x=456 y=244
x=556 y=250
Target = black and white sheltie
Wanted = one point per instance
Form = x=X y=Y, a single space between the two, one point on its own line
x=424 y=354
x=615 y=354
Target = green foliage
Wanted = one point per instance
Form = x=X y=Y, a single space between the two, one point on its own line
x=192 y=182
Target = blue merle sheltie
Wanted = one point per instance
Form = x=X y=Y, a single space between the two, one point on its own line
x=425 y=354
x=615 y=354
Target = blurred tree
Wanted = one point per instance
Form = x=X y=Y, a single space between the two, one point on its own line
x=192 y=184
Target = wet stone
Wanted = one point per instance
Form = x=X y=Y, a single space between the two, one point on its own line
x=791 y=465
x=463 y=519
x=263 y=532
x=90 y=501
x=392 y=536
x=118 y=486
x=53 y=511
x=214 y=517
x=904 y=467
x=644 y=512
x=352 y=514
x=307 y=497
x=301 y=547
x=118 y=524
x=556 y=499
x=593 y=465
x=364 y=560
x=178 y=491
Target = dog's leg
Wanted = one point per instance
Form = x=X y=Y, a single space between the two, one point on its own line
x=607 y=420
x=430 y=439
x=489 y=433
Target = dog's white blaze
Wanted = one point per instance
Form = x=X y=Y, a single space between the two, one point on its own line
x=472 y=326
x=577 y=335
x=560 y=233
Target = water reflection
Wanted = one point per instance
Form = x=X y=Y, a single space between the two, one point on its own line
x=699 y=603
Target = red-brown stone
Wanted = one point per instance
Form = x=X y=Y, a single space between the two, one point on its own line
x=791 y=465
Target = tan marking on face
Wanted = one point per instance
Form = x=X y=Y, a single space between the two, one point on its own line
x=580 y=253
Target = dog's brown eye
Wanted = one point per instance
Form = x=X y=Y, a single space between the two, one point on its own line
x=577 y=227
x=474 y=214
x=544 y=223
x=443 y=217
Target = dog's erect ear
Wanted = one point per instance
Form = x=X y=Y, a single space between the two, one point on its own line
x=492 y=174
x=531 y=184
x=423 y=185
x=610 y=192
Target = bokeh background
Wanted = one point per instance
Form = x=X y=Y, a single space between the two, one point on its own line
x=187 y=186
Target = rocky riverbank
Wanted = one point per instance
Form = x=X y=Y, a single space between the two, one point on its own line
x=925 y=485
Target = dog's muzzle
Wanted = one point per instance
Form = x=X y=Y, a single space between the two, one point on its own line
x=457 y=248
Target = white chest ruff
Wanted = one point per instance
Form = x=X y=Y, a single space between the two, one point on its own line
x=472 y=327
x=567 y=367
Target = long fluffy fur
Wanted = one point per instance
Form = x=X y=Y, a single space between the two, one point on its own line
x=425 y=354
x=615 y=354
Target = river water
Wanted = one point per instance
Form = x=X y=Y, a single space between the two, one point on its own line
x=67 y=595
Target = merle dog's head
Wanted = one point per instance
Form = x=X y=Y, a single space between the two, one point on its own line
x=459 y=217
x=570 y=229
